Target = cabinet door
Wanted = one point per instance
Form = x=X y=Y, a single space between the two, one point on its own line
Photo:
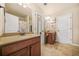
x=35 y=49
x=49 y=38
x=23 y=52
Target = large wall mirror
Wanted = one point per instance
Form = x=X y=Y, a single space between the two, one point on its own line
x=16 y=23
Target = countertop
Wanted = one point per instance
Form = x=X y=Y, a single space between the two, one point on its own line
x=11 y=39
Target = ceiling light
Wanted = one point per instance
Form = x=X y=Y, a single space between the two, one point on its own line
x=24 y=5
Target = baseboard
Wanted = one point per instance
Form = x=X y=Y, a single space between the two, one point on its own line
x=69 y=43
x=75 y=44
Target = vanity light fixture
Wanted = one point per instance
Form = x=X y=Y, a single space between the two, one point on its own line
x=45 y=4
x=20 y=4
x=24 y=4
x=47 y=17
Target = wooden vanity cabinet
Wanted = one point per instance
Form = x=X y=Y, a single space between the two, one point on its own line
x=22 y=52
x=51 y=38
x=35 y=51
x=28 y=47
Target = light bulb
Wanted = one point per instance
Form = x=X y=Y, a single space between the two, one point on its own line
x=47 y=17
x=20 y=3
x=24 y=6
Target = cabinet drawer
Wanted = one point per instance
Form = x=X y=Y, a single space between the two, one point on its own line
x=22 y=52
x=34 y=40
x=14 y=47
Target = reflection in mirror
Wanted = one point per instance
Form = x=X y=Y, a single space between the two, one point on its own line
x=11 y=23
x=16 y=21
x=23 y=25
x=17 y=25
x=30 y=24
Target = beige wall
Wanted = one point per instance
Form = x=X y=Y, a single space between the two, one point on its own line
x=76 y=27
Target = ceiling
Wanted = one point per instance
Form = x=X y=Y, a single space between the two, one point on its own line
x=49 y=9
x=52 y=8
x=18 y=10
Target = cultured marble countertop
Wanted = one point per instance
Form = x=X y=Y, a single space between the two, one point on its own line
x=11 y=39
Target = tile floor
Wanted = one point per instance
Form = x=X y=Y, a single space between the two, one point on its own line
x=59 y=50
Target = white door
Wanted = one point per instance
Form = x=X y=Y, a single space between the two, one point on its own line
x=64 y=28
x=40 y=28
x=39 y=24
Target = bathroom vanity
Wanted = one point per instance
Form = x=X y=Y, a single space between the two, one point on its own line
x=13 y=38
x=50 y=37
x=27 y=45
